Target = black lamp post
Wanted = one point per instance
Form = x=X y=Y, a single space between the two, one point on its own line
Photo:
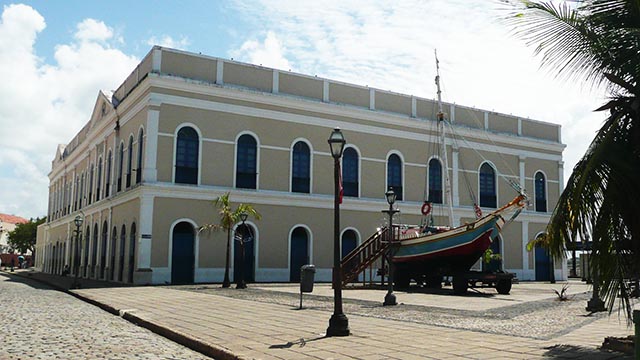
x=390 y=298
x=338 y=324
x=241 y=284
x=78 y=222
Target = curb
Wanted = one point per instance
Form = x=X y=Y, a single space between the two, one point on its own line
x=177 y=337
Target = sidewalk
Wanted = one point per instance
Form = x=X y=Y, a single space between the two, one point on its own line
x=231 y=328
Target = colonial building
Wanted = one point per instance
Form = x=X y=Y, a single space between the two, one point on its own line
x=184 y=129
x=8 y=223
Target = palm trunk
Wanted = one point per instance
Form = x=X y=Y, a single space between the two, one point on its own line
x=226 y=283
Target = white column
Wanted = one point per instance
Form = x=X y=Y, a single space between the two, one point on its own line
x=150 y=172
x=452 y=113
x=454 y=178
x=522 y=173
x=560 y=176
x=325 y=91
x=519 y=127
x=220 y=72
x=276 y=81
x=414 y=106
x=156 y=62
x=486 y=120
x=146 y=227
x=525 y=253
x=372 y=99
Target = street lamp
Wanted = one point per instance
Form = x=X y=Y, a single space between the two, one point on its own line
x=390 y=298
x=78 y=222
x=338 y=324
x=241 y=284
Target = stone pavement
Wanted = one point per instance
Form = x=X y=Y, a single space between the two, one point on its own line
x=37 y=322
x=226 y=326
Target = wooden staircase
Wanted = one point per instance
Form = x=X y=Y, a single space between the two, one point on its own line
x=363 y=256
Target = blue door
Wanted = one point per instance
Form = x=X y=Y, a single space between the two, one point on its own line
x=249 y=254
x=349 y=242
x=542 y=264
x=299 y=253
x=182 y=254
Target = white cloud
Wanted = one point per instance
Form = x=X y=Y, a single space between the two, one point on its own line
x=168 y=41
x=269 y=53
x=389 y=45
x=43 y=105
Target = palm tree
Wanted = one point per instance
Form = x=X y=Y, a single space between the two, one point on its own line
x=228 y=218
x=598 y=41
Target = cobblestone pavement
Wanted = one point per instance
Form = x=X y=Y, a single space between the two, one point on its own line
x=542 y=319
x=40 y=323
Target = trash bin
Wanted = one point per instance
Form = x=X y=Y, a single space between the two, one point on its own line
x=307 y=275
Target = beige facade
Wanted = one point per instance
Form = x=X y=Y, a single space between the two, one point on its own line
x=135 y=218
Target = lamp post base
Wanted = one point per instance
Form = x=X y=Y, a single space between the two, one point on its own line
x=241 y=285
x=338 y=325
x=595 y=305
x=390 y=299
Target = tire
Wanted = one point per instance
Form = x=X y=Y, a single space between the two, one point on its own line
x=434 y=282
x=503 y=286
x=460 y=285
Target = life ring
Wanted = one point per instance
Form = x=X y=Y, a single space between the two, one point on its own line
x=426 y=208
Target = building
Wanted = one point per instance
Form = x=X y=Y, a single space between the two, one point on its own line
x=185 y=128
x=8 y=224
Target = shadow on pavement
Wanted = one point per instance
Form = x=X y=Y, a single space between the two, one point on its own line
x=579 y=352
x=57 y=282
x=300 y=342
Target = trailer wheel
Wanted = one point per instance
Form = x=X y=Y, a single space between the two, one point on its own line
x=433 y=282
x=460 y=285
x=503 y=286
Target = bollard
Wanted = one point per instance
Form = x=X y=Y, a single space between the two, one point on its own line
x=636 y=320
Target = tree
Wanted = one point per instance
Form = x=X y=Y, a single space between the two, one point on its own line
x=598 y=41
x=23 y=237
x=228 y=218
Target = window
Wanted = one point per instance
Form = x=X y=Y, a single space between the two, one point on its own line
x=246 y=169
x=350 y=170
x=140 y=148
x=129 y=160
x=90 y=185
x=301 y=168
x=132 y=252
x=435 y=181
x=187 y=150
x=394 y=175
x=120 y=165
x=107 y=180
x=123 y=239
x=541 y=192
x=487 y=186
x=99 y=180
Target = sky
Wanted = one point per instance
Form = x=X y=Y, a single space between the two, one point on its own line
x=56 y=56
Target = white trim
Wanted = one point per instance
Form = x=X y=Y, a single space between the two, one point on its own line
x=235 y=157
x=219 y=72
x=372 y=99
x=293 y=143
x=325 y=91
x=309 y=246
x=525 y=239
x=196 y=244
x=276 y=81
x=175 y=149
x=386 y=173
x=156 y=60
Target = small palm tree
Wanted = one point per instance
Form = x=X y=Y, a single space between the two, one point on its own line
x=597 y=40
x=228 y=218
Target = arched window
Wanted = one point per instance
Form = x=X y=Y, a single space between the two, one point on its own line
x=301 y=168
x=435 y=181
x=120 y=166
x=99 y=180
x=85 y=251
x=487 y=186
x=90 y=184
x=77 y=193
x=132 y=252
x=394 y=175
x=103 y=250
x=94 y=251
x=187 y=151
x=350 y=172
x=107 y=180
x=541 y=192
x=247 y=159
x=112 y=254
x=129 y=160
x=299 y=252
x=140 y=149
x=123 y=240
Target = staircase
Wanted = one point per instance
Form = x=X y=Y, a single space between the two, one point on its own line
x=364 y=255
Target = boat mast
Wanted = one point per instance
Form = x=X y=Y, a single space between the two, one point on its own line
x=441 y=130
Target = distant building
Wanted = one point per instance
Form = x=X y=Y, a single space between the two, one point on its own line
x=184 y=129
x=8 y=224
